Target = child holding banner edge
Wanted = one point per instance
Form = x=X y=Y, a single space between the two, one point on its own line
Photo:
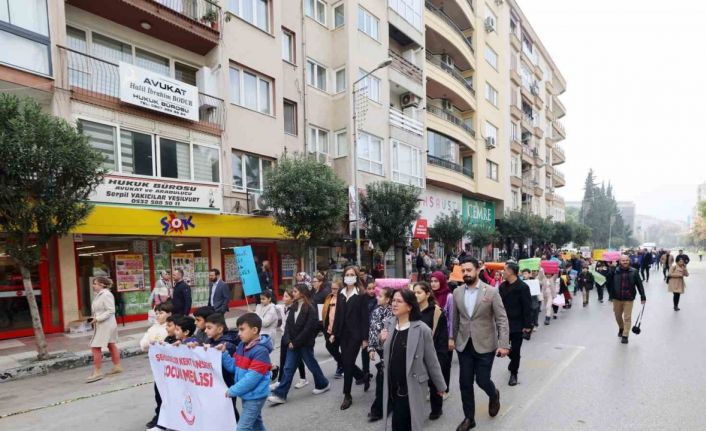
x=251 y=366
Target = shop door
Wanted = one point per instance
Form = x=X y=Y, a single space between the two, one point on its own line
x=15 y=318
x=268 y=252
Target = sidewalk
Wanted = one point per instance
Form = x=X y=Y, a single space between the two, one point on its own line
x=18 y=357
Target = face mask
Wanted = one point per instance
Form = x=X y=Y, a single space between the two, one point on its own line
x=350 y=280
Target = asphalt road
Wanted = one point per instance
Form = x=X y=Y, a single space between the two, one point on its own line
x=575 y=375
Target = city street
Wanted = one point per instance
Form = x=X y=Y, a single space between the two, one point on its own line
x=575 y=375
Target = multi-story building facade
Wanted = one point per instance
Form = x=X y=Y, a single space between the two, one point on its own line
x=534 y=122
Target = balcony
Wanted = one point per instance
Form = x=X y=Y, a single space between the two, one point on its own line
x=560 y=130
x=549 y=193
x=438 y=161
x=95 y=81
x=516 y=146
x=527 y=154
x=448 y=174
x=516 y=112
x=538 y=73
x=559 y=180
x=550 y=170
x=406 y=68
x=550 y=114
x=538 y=190
x=516 y=179
x=405 y=123
x=538 y=132
x=558 y=155
x=458 y=123
x=444 y=26
x=190 y=24
x=515 y=76
x=559 y=108
x=446 y=82
x=515 y=42
x=550 y=88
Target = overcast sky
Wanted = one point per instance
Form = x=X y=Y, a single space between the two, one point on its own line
x=636 y=96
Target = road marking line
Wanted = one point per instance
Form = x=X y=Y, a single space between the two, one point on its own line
x=64 y=402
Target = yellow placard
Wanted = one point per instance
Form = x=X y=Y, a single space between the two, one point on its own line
x=105 y=220
x=598 y=254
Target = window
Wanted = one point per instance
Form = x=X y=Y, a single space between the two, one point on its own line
x=340 y=80
x=318 y=143
x=515 y=166
x=368 y=24
x=316 y=9
x=369 y=153
x=111 y=50
x=491 y=57
x=491 y=94
x=136 y=153
x=491 y=170
x=26 y=38
x=29 y=15
x=288 y=46
x=102 y=138
x=410 y=10
x=442 y=147
x=249 y=171
x=515 y=200
x=491 y=132
x=152 y=155
x=185 y=73
x=406 y=164
x=339 y=17
x=152 y=62
x=290 y=117
x=373 y=86
x=341 y=142
x=316 y=75
x=250 y=90
x=174 y=159
x=206 y=166
x=468 y=166
x=256 y=12
x=514 y=130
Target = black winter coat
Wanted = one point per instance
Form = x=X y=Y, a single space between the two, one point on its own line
x=352 y=320
x=302 y=332
x=634 y=284
x=441 y=335
x=518 y=305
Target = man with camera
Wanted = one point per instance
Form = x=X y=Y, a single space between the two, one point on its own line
x=518 y=306
x=625 y=282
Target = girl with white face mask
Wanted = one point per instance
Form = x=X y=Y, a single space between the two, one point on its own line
x=350 y=331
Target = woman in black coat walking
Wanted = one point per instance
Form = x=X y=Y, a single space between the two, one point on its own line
x=350 y=329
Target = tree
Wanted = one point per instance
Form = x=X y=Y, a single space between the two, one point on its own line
x=449 y=229
x=515 y=228
x=307 y=198
x=47 y=173
x=481 y=235
x=388 y=209
x=563 y=233
x=581 y=234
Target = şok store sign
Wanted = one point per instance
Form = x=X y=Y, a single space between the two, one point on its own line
x=478 y=212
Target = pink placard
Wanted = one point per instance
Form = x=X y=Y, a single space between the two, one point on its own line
x=611 y=256
x=550 y=267
x=394 y=283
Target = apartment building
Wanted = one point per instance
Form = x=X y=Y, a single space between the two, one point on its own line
x=534 y=122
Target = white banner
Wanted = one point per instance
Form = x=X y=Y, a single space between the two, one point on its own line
x=157 y=92
x=191 y=385
x=160 y=194
x=436 y=201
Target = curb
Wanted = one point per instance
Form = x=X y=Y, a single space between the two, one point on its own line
x=63 y=361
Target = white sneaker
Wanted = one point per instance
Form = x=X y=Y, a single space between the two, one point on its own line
x=322 y=390
x=274 y=399
x=301 y=383
x=274 y=386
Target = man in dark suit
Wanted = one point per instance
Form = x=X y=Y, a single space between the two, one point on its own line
x=181 y=297
x=518 y=306
x=218 y=292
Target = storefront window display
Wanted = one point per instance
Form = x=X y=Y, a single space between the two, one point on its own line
x=15 y=318
x=135 y=263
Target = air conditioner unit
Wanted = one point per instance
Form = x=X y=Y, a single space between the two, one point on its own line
x=408 y=100
x=534 y=89
x=446 y=105
x=489 y=142
x=489 y=24
x=257 y=204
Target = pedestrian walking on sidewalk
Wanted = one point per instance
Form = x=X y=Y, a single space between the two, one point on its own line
x=377 y=323
x=625 y=282
x=549 y=291
x=481 y=332
x=677 y=283
x=409 y=356
x=645 y=265
x=106 y=328
x=667 y=260
x=181 y=297
x=518 y=306
x=585 y=282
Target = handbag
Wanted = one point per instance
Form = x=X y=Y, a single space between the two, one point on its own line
x=559 y=300
x=636 y=329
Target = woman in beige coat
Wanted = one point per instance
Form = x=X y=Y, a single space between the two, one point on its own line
x=676 y=281
x=106 y=328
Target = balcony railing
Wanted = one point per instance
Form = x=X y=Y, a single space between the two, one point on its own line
x=94 y=80
x=441 y=14
x=203 y=11
x=409 y=124
x=406 y=68
x=438 y=161
x=559 y=152
x=560 y=127
x=559 y=174
x=451 y=118
x=451 y=70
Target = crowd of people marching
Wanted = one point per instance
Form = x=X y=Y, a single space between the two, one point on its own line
x=409 y=335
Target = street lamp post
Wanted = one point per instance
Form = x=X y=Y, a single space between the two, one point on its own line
x=610 y=230
x=355 y=158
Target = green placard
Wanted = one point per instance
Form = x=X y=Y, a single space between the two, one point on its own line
x=478 y=212
x=531 y=264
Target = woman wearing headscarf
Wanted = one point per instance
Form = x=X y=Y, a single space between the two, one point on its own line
x=445 y=300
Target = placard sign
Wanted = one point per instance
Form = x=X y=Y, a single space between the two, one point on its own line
x=191 y=385
x=149 y=193
x=156 y=92
x=246 y=268
x=129 y=272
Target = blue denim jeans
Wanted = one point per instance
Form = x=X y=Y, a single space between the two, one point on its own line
x=251 y=416
x=290 y=367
